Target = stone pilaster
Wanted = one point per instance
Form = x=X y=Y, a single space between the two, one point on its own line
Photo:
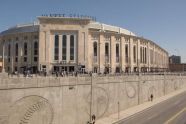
x=148 y=55
x=131 y=62
x=101 y=53
x=60 y=47
x=47 y=51
x=12 y=56
x=68 y=48
x=138 y=55
x=113 y=54
x=122 y=54
x=90 y=53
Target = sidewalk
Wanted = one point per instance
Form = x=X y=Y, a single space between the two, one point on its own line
x=137 y=109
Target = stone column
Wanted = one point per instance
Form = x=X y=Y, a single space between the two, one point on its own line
x=131 y=63
x=42 y=37
x=122 y=54
x=154 y=54
x=12 y=55
x=60 y=47
x=101 y=53
x=113 y=54
x=47 y=51
x=148 y=55
x=43 y=49
x=143 y=54
x=75 y=48
x=68 y=48
x=89 y=49
x=138 y=55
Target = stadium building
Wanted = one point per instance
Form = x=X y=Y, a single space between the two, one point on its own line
x=61 y=43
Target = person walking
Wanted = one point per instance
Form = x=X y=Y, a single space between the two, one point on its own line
x=151 y=97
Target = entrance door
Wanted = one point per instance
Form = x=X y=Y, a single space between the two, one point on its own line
x=106 y=70
x=56 y=68
x=83 y=70
x=34 y=69
x=71 y=69
x=64 y=68
x=95 y=70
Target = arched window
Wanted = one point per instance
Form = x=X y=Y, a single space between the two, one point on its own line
x=64 y=47
x=134 y=53
x=9 y=49
x=16 y=49
x=16 y=52
x=95 y=48
x=117 y=52
x=143 y=55
x=56 y=47
x=151 y=56
x=25 y=49
x=107 y=52
x=71 y=47
x=126 y=53
x=36 y=48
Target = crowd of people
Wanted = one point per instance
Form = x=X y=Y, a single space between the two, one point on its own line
x=28 y=73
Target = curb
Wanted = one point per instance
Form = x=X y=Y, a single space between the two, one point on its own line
x=148 y=108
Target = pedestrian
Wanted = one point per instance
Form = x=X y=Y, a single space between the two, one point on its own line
x=76 y=74
x=45 y=73
x=56 y=74
x=151 y=97
x=93 y=119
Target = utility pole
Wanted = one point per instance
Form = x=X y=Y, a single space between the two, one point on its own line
x=139 y=79
x=164 y=84
x=91 y=92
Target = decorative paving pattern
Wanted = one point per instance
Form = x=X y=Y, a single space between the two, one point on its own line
x=32 y=110
x=100 y=102
x=130 y=90
x=3 y=119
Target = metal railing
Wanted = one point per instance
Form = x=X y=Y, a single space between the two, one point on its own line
x=73 y=74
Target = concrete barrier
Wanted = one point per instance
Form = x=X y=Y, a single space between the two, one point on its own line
x=72 y=100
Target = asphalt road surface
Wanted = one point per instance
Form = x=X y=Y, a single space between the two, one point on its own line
x=171 y=111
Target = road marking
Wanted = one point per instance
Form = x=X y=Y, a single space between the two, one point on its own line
x=153 y=116
x=176 y=115
x=177 y=102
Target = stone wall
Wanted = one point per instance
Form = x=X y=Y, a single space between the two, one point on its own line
x=65 y=100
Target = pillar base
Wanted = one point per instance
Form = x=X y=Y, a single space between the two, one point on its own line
x=3 y=70
x=3 y=74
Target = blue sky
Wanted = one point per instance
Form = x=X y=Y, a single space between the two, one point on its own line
x=163 y=21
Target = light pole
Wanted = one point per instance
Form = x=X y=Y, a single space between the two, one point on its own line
x=99 y=56
x=139 y=79
x=91 y=93
x=164 y=90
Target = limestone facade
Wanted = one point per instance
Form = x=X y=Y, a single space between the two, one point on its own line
x=78 y=44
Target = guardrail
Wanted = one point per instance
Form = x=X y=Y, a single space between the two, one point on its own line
x=97 y=74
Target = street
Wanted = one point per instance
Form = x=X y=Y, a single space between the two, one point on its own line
x=172 y=111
